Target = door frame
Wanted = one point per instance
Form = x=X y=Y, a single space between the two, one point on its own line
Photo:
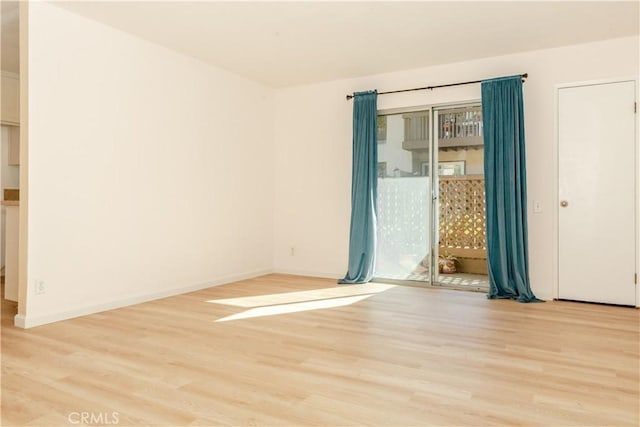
x=556 y=178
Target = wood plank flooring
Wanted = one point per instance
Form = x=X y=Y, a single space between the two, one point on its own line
x=374 y=355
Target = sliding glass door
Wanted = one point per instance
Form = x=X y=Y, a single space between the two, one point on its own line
x=431 y=197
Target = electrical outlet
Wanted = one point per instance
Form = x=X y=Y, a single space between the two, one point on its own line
x=40 y=287
x=292 y=251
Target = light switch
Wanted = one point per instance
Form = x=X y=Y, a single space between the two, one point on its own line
x=537 y=206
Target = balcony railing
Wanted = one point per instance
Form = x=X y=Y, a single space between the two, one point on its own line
x=456 y=128
x=463 y=222
x=403 y=223
x=462 y=213
x=460 y=128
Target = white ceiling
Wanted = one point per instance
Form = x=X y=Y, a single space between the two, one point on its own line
x=290 y=43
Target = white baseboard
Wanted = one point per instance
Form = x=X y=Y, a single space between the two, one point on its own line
x=26 y=322
x=20 y=321
x=323 y=275
x=545 y=296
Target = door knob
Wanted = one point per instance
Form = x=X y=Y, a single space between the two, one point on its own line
x=564 y=203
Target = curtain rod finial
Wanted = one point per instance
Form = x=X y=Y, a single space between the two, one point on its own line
x=349 y=97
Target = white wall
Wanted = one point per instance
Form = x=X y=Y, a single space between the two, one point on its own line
x=313 y=147
x=149 y=172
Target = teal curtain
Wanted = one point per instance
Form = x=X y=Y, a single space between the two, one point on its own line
x=506 y=189
x=364 y=189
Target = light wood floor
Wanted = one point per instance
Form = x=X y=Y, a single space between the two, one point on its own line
x=403 y=356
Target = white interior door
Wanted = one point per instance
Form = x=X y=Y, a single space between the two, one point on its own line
x=596 y=171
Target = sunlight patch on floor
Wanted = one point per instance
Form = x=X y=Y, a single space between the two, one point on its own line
x=302 y=296
x=272 y=310
x=294 y=302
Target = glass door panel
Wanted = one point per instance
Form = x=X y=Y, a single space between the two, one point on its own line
x=460 y=211
x=404 y=197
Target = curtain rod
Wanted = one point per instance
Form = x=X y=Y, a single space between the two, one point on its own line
x=524 y=76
